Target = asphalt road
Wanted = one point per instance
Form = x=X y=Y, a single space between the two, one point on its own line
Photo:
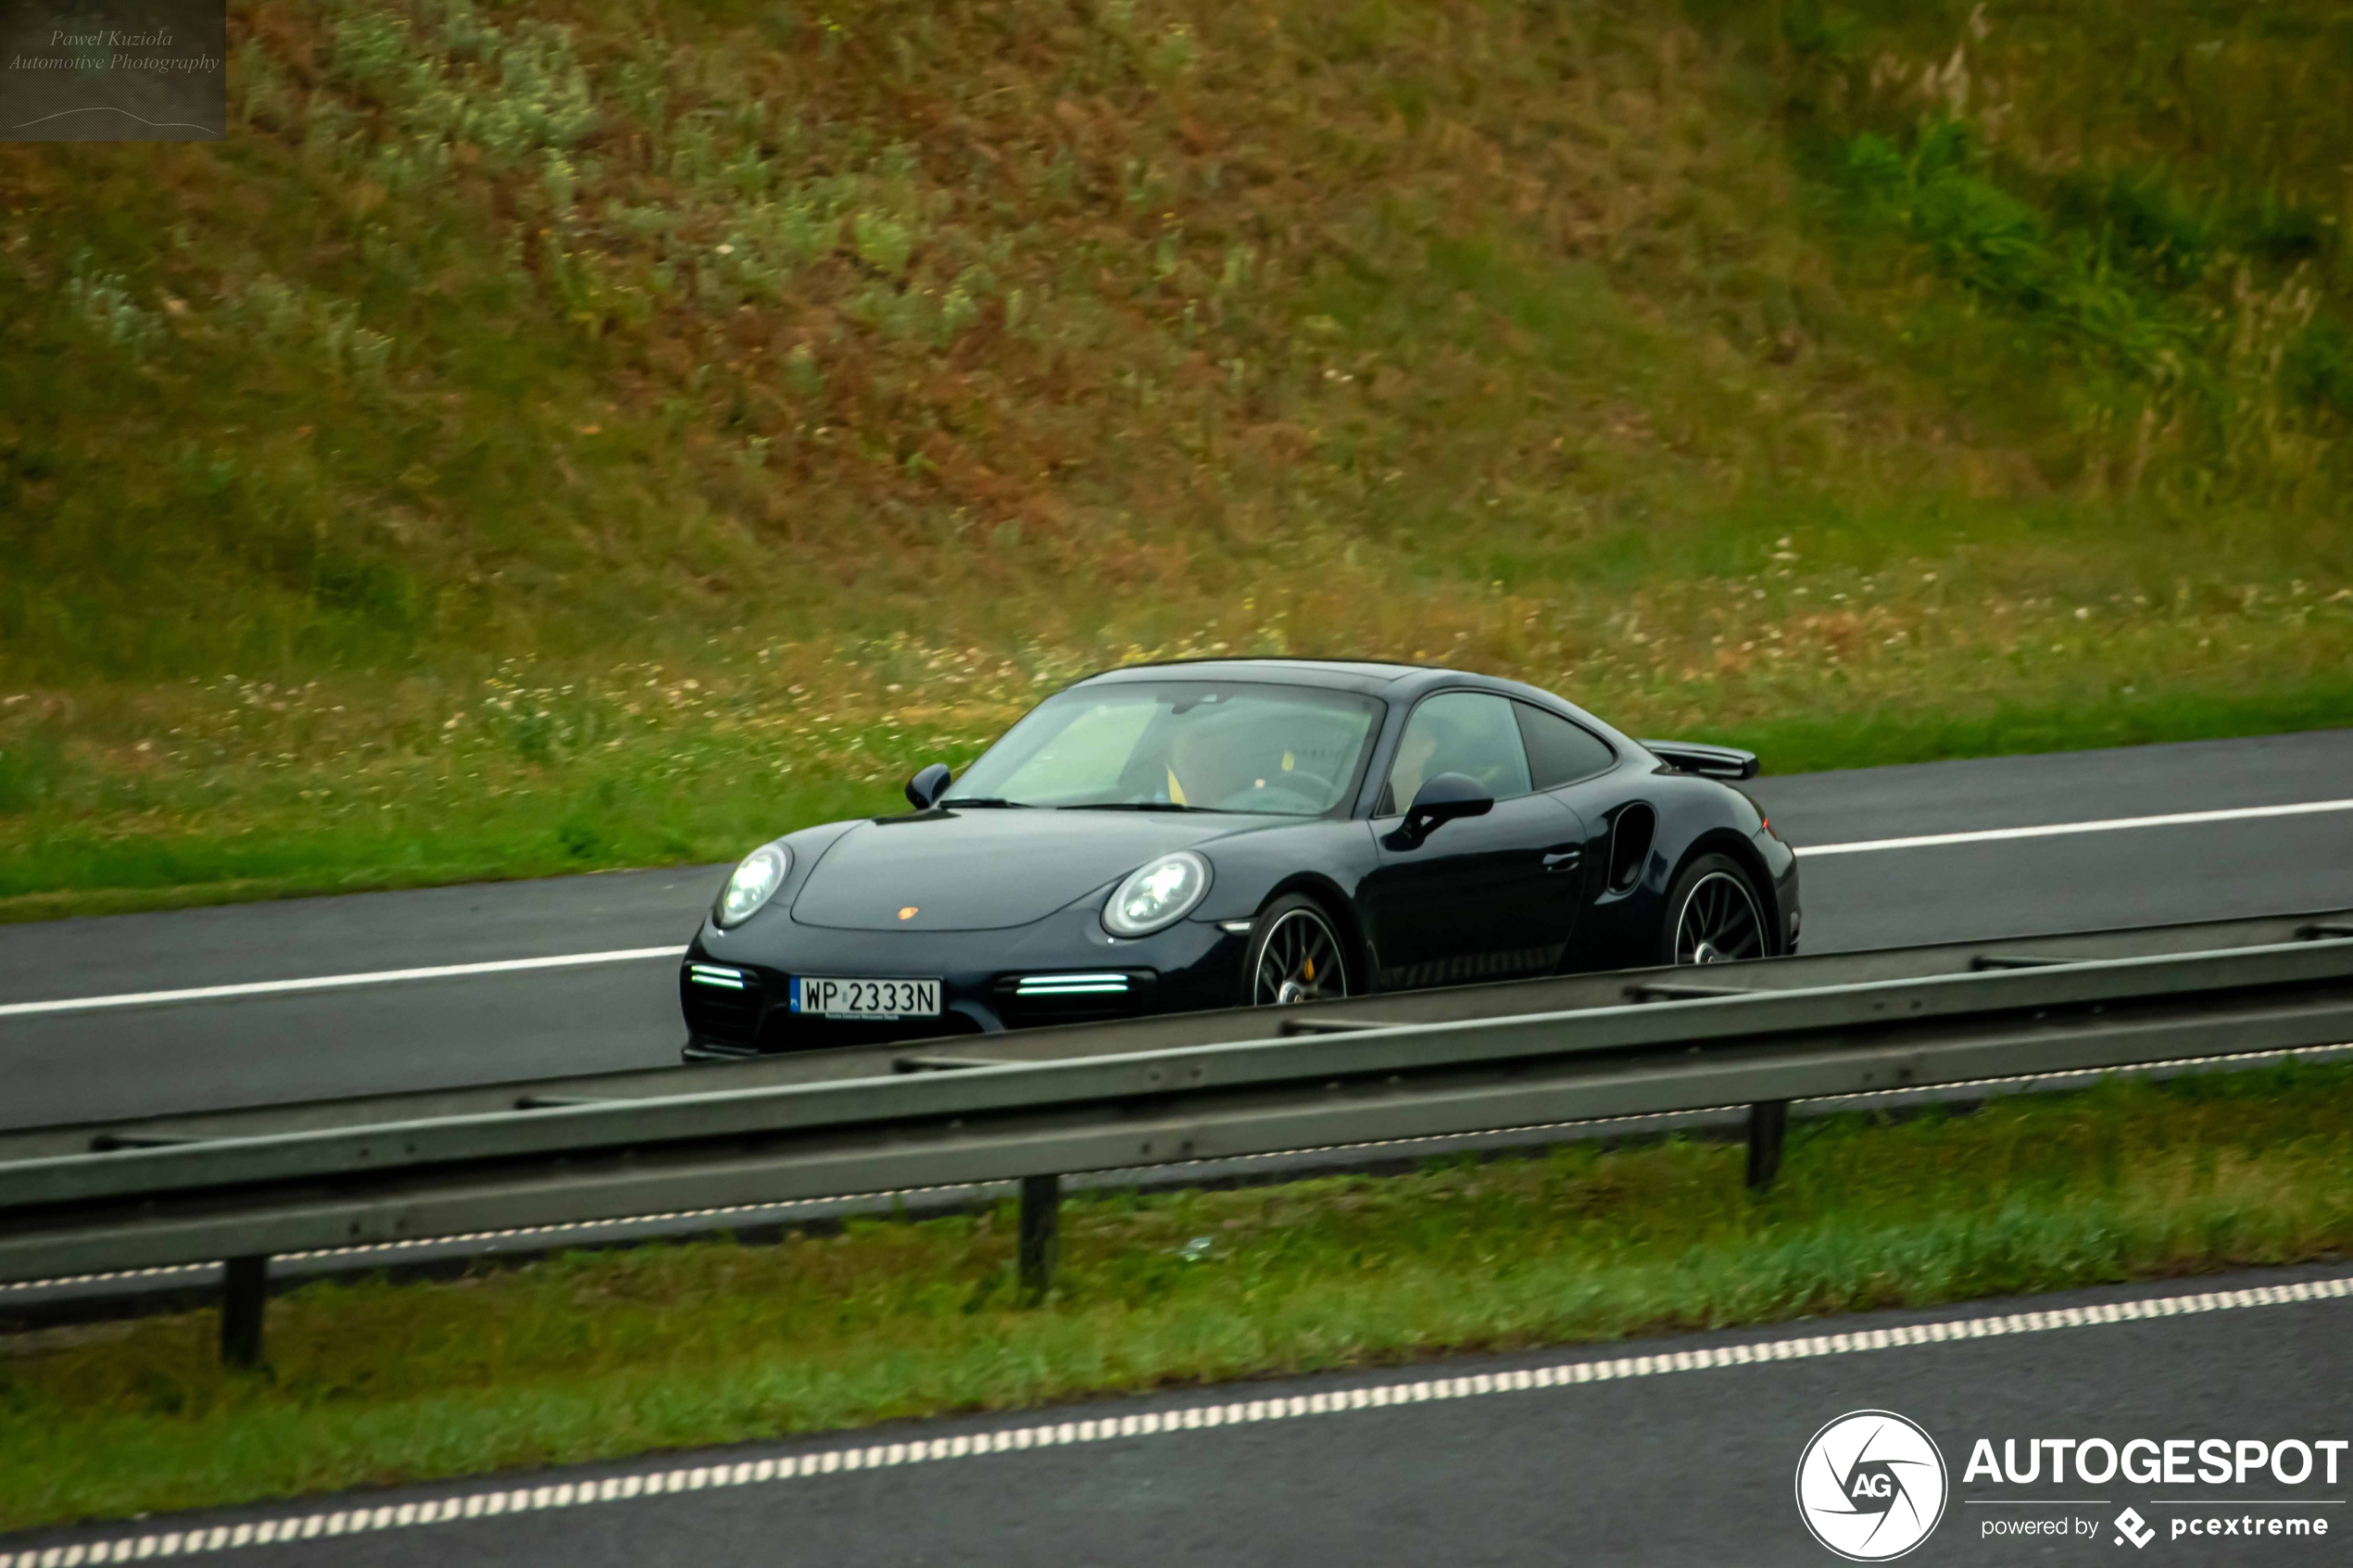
x=2086 y=882
x=79 y=1065
x=1689 y=1463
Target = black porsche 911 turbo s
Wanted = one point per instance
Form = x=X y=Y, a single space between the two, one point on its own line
x=1237 y=833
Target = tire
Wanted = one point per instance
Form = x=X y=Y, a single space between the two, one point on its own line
x=1714 y=915
x=1295 y=955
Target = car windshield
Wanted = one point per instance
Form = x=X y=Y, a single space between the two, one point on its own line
x=1200 y=746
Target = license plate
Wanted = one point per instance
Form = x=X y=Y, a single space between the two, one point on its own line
x=830 y=998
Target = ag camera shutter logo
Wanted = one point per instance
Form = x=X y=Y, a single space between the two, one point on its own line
x=1871 y=1485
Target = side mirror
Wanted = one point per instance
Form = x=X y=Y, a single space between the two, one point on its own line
x=925 y=788
x=1441 y=799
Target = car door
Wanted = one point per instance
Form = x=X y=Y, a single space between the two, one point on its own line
x=1580 y=770
x=1486 y=897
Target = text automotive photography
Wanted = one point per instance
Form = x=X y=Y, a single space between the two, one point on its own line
x=113 y=70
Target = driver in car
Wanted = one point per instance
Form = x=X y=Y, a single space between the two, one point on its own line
x=1220 y=763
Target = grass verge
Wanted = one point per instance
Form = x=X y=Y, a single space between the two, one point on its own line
x=597 y=1356
x=248 y=791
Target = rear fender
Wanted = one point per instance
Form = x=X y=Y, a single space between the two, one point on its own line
x=1737 y=848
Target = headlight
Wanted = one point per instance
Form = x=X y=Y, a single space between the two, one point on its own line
x=754 y=881
x=1160 y=893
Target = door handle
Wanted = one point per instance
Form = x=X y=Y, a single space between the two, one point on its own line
x=1563 y=860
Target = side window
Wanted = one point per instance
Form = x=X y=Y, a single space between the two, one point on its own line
x=1560 y=752
x=1458 y=733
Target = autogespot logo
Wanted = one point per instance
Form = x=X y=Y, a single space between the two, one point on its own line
x=1871 y=1485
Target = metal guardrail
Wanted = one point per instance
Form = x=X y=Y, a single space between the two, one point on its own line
x=245 y=1194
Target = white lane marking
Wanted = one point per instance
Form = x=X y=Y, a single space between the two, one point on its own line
x=625 y=955
x=1148 y=1424
x=333 y=982
x=2055 y=830
x=1663 y=1121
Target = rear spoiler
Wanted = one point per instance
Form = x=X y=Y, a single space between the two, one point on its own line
x=1713 y=761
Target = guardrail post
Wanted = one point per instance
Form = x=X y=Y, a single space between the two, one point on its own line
x=1041 y=1213
x=1767 y=1122
x=244 y=1288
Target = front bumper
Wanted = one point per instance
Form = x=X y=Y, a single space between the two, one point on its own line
x=735 y=986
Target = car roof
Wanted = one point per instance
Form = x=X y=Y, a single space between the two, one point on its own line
x=1403 y=683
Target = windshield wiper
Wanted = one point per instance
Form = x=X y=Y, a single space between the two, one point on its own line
x=986 y=800
x=1146 y=806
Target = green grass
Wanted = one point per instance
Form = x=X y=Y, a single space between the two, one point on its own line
x=239 y=802
x=602 y=1355
x=1885 y=381
x=701 y=784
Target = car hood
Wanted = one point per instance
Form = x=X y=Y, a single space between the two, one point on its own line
x=987 y=869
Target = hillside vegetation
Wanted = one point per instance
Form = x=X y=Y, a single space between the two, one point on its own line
x=568 y=432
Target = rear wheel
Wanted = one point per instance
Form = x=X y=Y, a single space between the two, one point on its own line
x=1714 y=915
x=1294 y=956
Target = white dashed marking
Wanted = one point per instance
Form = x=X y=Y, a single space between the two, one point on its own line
x=1153 y=1424
x=2055 y=830
x=335 y=982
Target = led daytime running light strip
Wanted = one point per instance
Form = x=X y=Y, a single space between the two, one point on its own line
x=1071 y=985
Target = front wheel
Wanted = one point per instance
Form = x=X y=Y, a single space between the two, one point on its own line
x=1294 y=956
x=1714 y=915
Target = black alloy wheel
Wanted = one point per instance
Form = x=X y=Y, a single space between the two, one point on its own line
x=1714 y=915
x=1294 y=956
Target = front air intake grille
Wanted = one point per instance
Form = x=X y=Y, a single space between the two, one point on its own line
x=788 y=1031
x=722 y=1003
